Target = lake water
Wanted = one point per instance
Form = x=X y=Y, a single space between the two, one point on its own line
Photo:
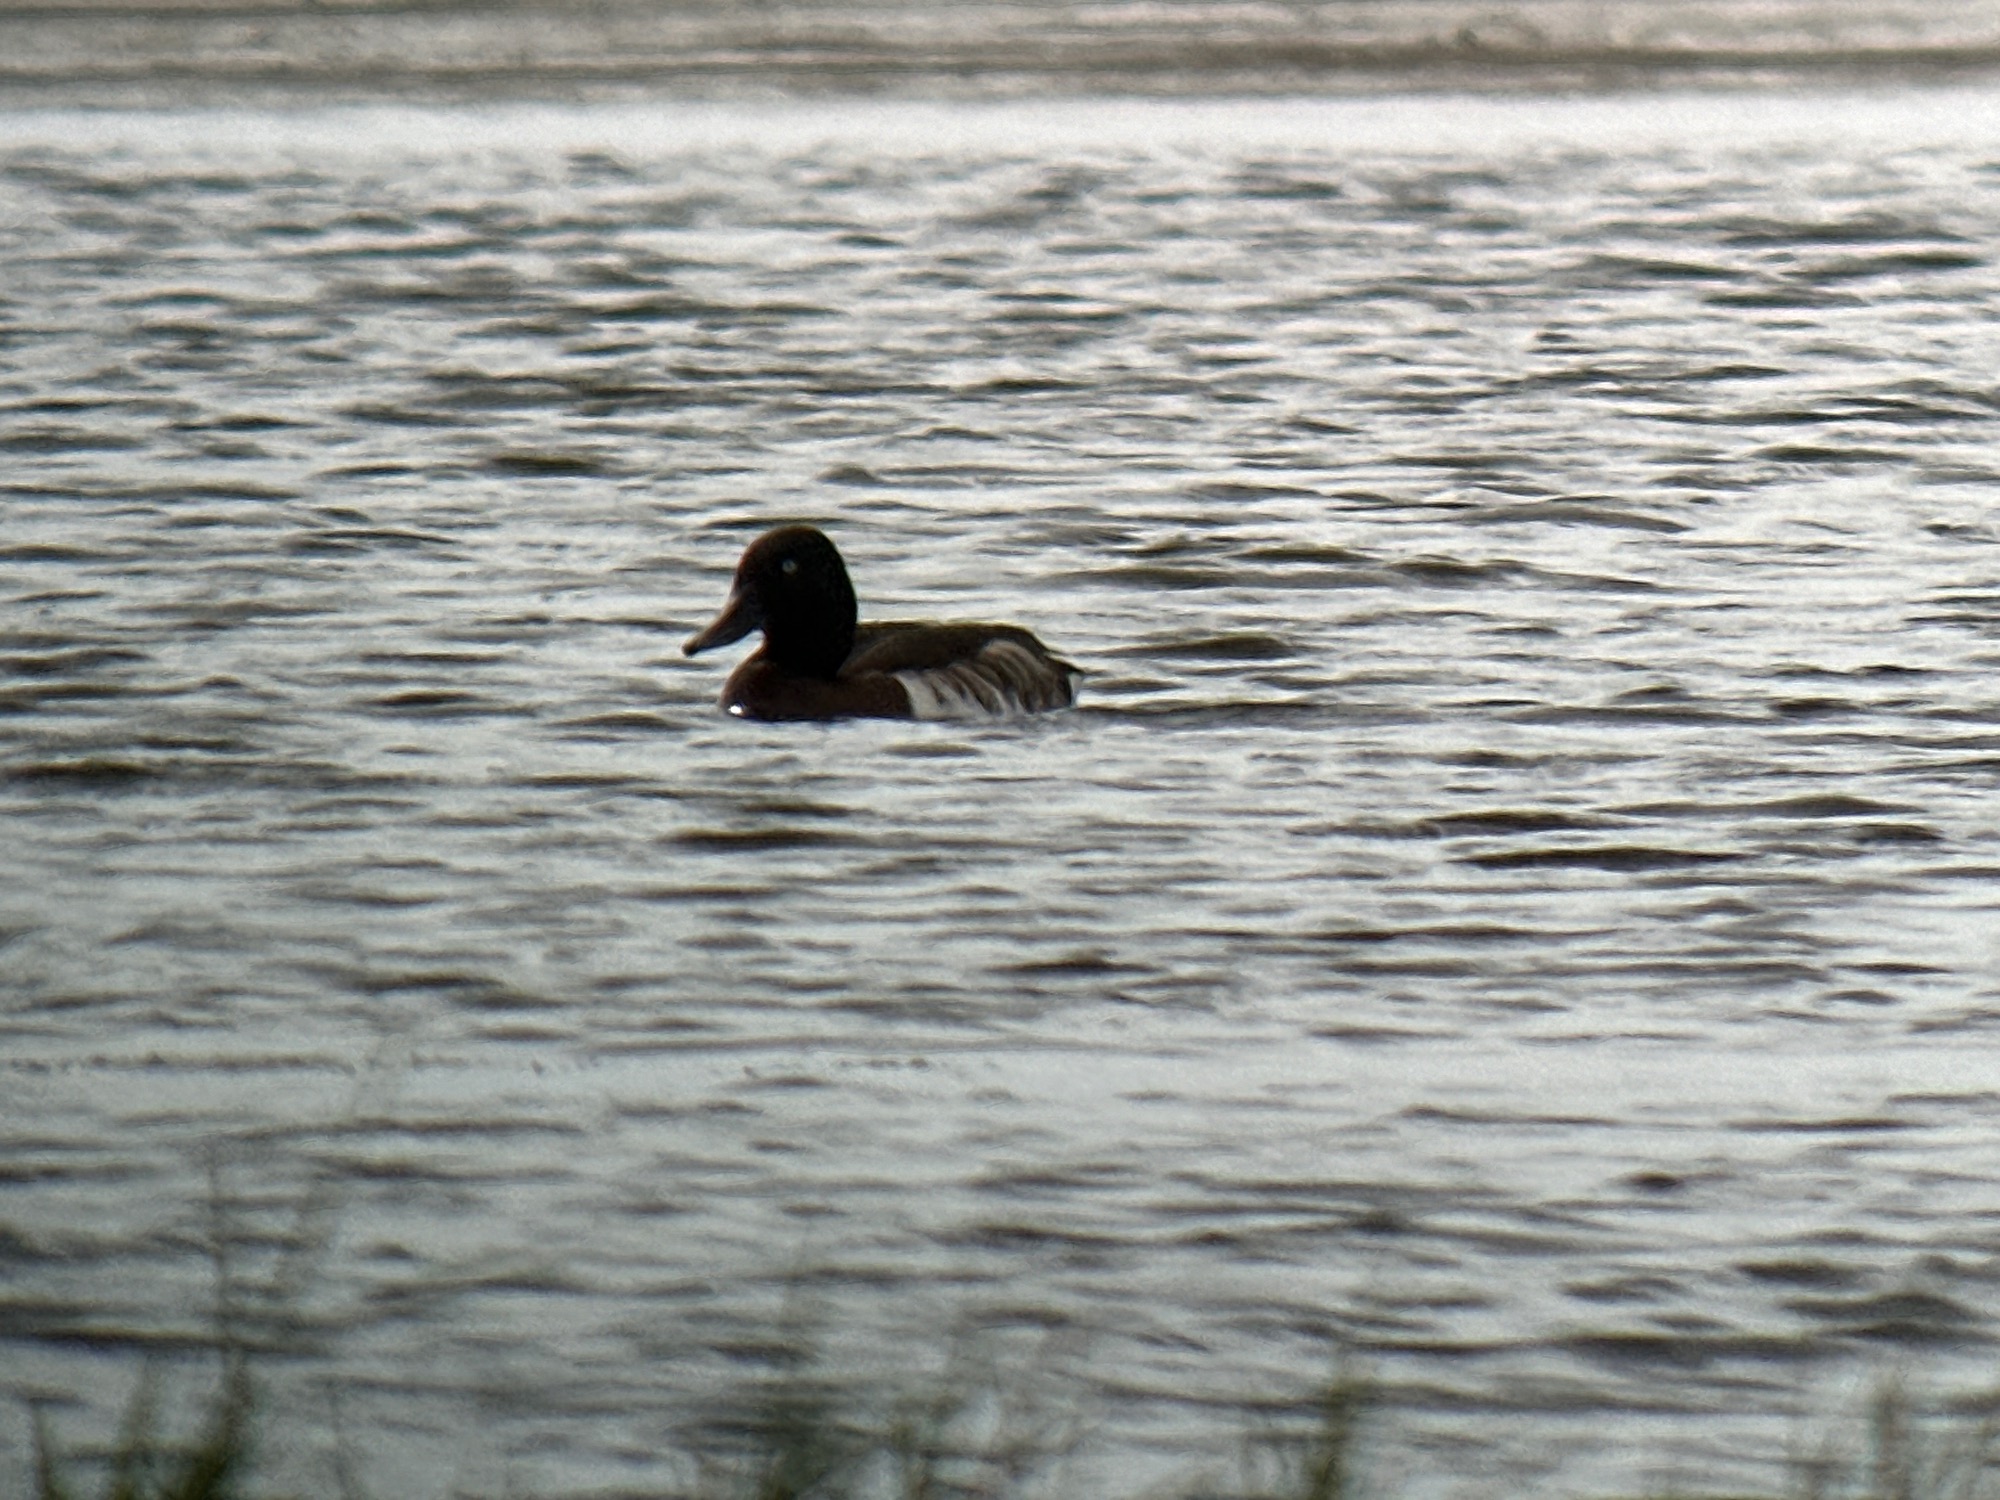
x=1517 y=906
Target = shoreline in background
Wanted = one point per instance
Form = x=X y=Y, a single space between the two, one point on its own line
x=210 y=51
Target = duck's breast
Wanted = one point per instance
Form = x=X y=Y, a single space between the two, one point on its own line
x=759 y=689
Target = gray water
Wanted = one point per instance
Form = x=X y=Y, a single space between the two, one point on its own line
x=1515 y=907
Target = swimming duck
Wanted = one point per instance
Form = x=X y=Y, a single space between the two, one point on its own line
x=816 y=663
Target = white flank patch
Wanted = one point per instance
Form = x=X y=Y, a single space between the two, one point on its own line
x=1004 y=679
x=943 y=693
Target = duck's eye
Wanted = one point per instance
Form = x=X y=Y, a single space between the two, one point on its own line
x=789 y=565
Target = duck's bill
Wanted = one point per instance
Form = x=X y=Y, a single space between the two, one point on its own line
x=739 y=617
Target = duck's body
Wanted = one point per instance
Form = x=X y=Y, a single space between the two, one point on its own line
x=817 y=663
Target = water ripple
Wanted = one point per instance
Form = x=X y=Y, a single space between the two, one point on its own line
x=1514 y=900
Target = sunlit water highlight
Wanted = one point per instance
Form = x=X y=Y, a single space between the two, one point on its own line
x=1518 y=901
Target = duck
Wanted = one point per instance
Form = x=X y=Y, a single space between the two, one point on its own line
x=818 y=663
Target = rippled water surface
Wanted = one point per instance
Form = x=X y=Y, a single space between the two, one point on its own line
x=1517 y=903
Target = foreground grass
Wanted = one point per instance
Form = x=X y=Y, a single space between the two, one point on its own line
x=795 y=1437
x=1904 y=1457
x=146 y=1465
x=799 y=1436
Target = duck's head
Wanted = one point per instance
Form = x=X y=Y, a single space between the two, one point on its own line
x=792 y=585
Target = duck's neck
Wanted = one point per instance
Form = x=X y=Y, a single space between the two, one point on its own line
x=813 y=637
